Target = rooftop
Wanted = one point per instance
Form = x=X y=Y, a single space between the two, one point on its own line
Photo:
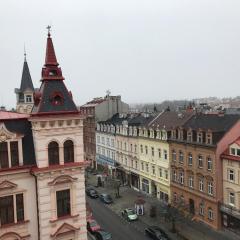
x=6 y=115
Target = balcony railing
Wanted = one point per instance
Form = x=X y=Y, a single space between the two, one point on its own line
x=233 y=211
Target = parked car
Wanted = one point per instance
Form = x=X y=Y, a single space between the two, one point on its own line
x=129 y=214
x=102 y=235
x=92 y=225
x=156 y=233
x=91 y=192
x=106 y=198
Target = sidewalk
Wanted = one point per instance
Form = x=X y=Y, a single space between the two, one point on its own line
x=187 y=230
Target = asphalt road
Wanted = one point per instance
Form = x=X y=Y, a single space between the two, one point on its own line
x=111 y=222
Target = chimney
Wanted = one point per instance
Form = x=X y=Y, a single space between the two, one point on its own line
x=2 y=108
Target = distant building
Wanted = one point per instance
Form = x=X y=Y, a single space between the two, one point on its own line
x=99 y=109
x=196 y=167
x=25 y=93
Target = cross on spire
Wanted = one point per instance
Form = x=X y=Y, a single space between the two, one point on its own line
x=25 y=54
x=49 y=30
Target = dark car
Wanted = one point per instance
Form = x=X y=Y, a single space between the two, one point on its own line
x=102 y=235
x=106 y=198
x=156 y=233
x=91 y=192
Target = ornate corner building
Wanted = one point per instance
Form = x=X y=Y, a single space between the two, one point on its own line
x=42 y=191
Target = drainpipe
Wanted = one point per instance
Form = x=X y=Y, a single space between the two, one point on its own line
x=36 y=187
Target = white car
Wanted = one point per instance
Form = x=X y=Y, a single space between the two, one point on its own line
x=129 y=214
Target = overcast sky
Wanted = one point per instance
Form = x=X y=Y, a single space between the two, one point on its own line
x=145 y=50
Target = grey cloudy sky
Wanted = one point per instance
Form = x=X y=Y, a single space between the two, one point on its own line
x=145 y=50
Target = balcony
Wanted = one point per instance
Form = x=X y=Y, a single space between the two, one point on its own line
x=233 y=211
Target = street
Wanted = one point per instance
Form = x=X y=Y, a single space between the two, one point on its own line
x=111 y=222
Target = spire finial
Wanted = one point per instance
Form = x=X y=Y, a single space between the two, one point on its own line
x=49 y=30
x=25 y=54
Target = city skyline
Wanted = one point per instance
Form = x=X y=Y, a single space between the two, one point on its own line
x=153 y=50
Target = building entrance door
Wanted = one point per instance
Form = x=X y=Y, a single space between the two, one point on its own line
x=191 y=206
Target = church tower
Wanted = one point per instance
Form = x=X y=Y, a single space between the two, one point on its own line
x=25 y=93
x=57 y=128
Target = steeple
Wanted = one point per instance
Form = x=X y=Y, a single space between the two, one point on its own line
x=26 y=81
x=53 y=96
x=50 y=59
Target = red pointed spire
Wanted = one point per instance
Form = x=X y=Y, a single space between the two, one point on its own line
x=50 y=58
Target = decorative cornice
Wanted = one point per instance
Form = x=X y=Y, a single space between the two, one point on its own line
x=5 y=134
x=64 y=228
x=13 y=235
x=7 y=185
x=62 y=179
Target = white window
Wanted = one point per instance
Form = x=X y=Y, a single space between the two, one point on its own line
x=210 y=188
x=210 y=214
x=190 y=181
x=200 y=161
x=201 y=209
x=112 y=142
x=159 y=153
x=209 y=138
x=190 y=159
x=131 y=147
x=209 y=164
x=181 y=177
x=174 y=176
x=135 y=148
x=28 y=98
x=232 y=198
x=201 y=186
x=174 y=157
x=181 y=157
x=136 y=164
x=98 y=139
x=231 y=175
x=99 y=150
x=165 y=154
x=189 y=136
x=107 y=141
x=233 y=151
x=103 y=140
x=142 y=166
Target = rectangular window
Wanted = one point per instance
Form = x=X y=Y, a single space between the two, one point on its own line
x=231 y=175
x=63 y=203
x=141 y=147
x=153 y=170
x=20 y=207
x=233 y=152
x=28 y=98
x=152 y=151
x=201 y=209
x=181 y=157
x=199 y=137
x=210 y=214
x=165 y=154
x=160 y=172
x=209 y=164
x=14 y=153
x=190 y=159
x=201 y=185
x=210 y=188
x=159 y=153
x=6 y=210
x=131 y=147
x=181 y=177
x=4 y=155
x=142 y=166
x=146 y=150
x=166 y=174
x=174 y=157
x=200 y=161
x=190 y=181
x=135 y=148
x=231 y=198
x=147 y=167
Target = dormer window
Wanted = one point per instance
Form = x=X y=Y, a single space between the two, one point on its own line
x=57 y=99
x=8 y=149
x=158 y=134
x=145 y=133
x=28 y=98
x=199 y=137
x=208 y=138
x=135 y=131
x=189 y=136
x=173 y=133
x=180 y=134
x=53 y=73
x=151 y=134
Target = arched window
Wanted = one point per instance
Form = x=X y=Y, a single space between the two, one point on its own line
x=53 y=153
x=68 y=151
